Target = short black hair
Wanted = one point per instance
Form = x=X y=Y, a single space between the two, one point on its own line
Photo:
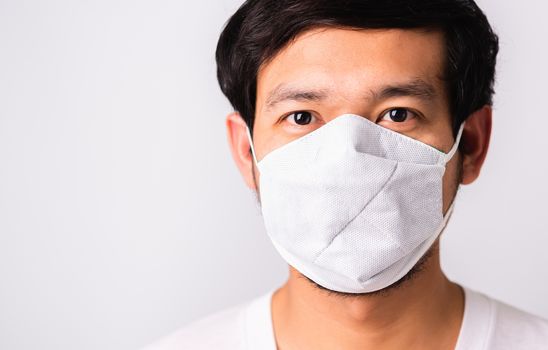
x=261 y=28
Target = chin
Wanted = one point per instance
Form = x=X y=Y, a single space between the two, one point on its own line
x=419 y=267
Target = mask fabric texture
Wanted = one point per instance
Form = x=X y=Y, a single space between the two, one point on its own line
x=352 y=205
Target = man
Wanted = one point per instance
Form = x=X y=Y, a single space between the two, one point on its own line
x=356 y=121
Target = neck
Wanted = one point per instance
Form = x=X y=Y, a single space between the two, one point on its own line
x=424 y=312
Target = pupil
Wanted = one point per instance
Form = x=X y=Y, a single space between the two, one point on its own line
x=303 y=118
x=398 y=115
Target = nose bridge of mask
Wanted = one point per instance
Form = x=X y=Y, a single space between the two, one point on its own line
x=447 y=156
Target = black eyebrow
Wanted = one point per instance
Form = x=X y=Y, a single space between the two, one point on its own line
x=415 y=88
x=284 y=93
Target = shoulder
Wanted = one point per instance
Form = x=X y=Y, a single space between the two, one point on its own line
x=505 y=327
x=221 y=330
x=517 y=329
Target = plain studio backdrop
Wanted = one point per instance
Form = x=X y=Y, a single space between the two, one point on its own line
x=122 y=215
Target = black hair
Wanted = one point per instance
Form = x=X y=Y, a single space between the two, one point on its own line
x=261 y=28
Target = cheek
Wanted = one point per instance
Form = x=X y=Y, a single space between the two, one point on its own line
x=451 y=181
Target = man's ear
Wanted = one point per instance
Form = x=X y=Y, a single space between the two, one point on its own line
x=475 y=143
x=240 y=147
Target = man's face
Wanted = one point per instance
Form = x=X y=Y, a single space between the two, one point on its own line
x=391 y=77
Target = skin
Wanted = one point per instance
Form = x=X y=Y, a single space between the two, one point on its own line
x=329 y=72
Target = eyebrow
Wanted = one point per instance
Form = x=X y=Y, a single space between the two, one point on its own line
x=415 y=88
x=284 y=93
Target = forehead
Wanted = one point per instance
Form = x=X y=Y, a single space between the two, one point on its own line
x=347 y=60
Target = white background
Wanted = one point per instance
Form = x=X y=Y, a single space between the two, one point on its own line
x=122 y=216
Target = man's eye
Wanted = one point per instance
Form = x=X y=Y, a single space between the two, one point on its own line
x=300 y=118
x=398 y=115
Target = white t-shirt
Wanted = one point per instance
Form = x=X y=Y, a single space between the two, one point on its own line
x=487 y=325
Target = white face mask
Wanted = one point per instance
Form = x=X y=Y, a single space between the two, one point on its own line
x=352 y=205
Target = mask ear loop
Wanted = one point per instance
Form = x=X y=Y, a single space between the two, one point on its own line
x=448 y=157
x=455 y=147
x=251 y=145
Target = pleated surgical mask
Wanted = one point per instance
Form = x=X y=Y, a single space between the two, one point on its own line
x=352 y=205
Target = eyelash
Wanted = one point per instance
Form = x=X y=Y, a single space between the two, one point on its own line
x=414 y=113
x=380 y=118
x=285 y=117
